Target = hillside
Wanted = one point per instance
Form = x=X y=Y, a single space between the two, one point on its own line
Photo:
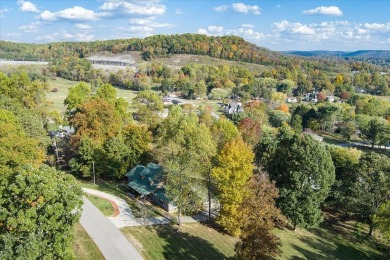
x=225 y=47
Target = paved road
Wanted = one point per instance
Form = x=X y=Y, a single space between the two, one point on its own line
x=111 y=242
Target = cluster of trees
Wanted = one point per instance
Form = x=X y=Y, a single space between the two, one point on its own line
x=105 y=133
x=39 y=205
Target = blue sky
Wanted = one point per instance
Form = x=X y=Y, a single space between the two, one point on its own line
x=278 y=25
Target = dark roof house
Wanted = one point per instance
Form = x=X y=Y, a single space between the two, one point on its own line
x=147 y=181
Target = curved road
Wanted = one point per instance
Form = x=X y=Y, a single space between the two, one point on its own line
x=111 y=242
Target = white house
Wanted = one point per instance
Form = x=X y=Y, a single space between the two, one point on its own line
x=233 y=107
x=291 y=100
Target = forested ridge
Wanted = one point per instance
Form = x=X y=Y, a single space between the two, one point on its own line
x=226 y=47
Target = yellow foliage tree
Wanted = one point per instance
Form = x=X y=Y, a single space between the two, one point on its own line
x=231 y=174
x=278 y=96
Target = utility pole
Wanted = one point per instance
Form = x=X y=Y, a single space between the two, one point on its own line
x=93 y=170
x=209 y=191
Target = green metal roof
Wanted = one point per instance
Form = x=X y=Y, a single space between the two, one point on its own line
x=143 y=179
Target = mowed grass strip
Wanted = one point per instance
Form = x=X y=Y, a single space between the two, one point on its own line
x=83 y=246
x=103 y=205
x=193 y=241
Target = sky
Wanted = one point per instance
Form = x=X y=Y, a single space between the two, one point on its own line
x=345 y=25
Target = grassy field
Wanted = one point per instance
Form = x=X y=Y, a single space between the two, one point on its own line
x=57 y=98
x=194 y=241
x=102 y=204
x=333 y=240
x=83 y=246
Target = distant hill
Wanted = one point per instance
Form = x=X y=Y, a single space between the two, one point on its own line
x=373 y=54
x=225 y=47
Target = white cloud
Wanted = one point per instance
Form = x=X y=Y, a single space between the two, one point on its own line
x=138 y=8
x=178 y=11
x=65 y=36
x=30 y=28
x=215 y=29
x=26 y=6
x=245 y=32
x=75 y=13
x=243 y=8
x=83 y=26
x=331 y=33
x=221 y=8
x=202 y=31
x=325 y=10
x=247 y=26
x=13 y=34
x=150 y=22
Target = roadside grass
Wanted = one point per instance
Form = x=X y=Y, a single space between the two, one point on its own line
x=83 y=246
x=193 y=241
x=103 y=205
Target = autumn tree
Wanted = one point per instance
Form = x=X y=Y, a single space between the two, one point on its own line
x=250 y=130
x=382 y=219
x=259 y=215
x=304 y=173
x=148 y=105
x=185 y=149
x=77 y=95
x=345 y=161
x=372 y=187
x=223 y=130
x=231 y=173
x=296 y=123
x=376 y=131
x=17 y=148
x=39 y=208
x=257 y=110
x=96 y=119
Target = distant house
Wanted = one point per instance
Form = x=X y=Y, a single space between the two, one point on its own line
x=147 y=182
x=330 y=98
x=291 y=100
x=311 y=97
x=233 y=107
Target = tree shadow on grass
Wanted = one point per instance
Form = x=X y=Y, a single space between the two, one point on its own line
x=181 y=245
x=331 y=247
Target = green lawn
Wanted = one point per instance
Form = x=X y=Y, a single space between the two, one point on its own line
x=102 y=204
x=333 y=240
x=193 y=241
x=83 y=246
